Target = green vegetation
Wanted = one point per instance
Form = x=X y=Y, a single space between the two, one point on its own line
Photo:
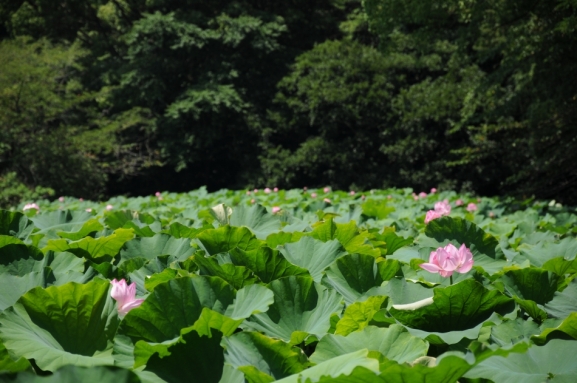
x=100 y=98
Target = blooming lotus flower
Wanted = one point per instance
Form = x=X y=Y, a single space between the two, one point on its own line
x=248 y=192
x=81 y=199
x=422 y=195
x=109 y=207
x=125 y=296
x=252 y=201
x=61 y=199
x=89 y=210
x=275 y=190
x=449 y=259
x=275 y=209
x=352 y=192
x=305 y=188
x=267 y=190
x=471 y=207
x=459 y=202
x=314 y=195
x=255 y=190
x=29 y=206
x=433 y=190
x=326 y=189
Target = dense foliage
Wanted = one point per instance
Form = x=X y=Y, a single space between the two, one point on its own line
x=288 y=286
x=130 y=96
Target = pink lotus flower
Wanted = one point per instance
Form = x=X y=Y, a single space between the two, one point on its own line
x=441 y=208
x=275 y=209
x=389 y=197
x=433 y=190
x=352 y=192
x=109 y=207
x=81 y=199
x=252 y=201
x=314 y=195
x=29 y=206
x=471 y=207
x=275 y=190
x=125 y=296
x=327 y=189
x=448 y=259
x=255 y=190
x=327 y=200
x=459 y=202
x=305 y=188
x=248 y=192
x=61 y=199
x=158 y=194
x=422 y=195
x=267 y=190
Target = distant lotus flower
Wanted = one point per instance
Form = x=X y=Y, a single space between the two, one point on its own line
x=158 y=194
x=305 y=188
x=389 y=197
x=459 y=202
x=109 y=207
x=471 y=207
x=363 y=197
x=255 y=190
x=267 y=190
x=313 y=195
x=29 y=206
x=448 y=259
x=81 y=199
x=327 y=200
x=352 y=192
x=327 y=189
x=275 y=190
x=125 y=296
x=252 y=201
x=433 y=190
x=491 y=214
x=441 y=208
x=89 y=210
x=275 y=209
x=61 y=199
x=422 y=194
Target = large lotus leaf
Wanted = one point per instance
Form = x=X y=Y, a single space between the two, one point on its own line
x=98 y=250
x=378 y=209
x=355 y=274
x=89 y=227
x=174 y=305
x=554 y=362
x=15 y=224
x=340 y=365
x=299 y=305
x=358 y=315
x=531 y=283
x=144 y=273
x=178 y=249
x=273 y=357
x=561 y=266
x=313 y=255
x=568 y=326
x=403 y=292
x=458 y=307
x=256 y=218
x=237 y=276
x=75 y=374
x=14 y=286
x=56 y=326
x=9 y=364
x=393 y=242
x=541 y=252
x=266 y=263
x=194 y=358
x=347 y=234
x=226 y=238
x=395 y=343
x=463 y=231
x=564 y=302
x=513 y=331
x=178 y=230
x=66 y=267
x=17 y=258
x=60 y=220
x=251 y=299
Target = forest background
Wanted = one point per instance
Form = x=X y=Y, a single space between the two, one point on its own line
x=99 y=98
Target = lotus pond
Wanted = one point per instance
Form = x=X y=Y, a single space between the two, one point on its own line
x=289 y=286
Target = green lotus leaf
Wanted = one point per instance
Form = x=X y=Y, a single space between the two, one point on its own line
x=568 y=326
x=178 y=230
x=378 y=209
x=458 y=307
x=313 y=255
x=237 y=276
x=347 y=234
x=464 y=231
x=513 y=331
x=356 y=274
x=226 y=238
x=75 y=374
x=57 y=221
x=250 y=300
x=17 y=258
x=89 y=227
x=152 y=247
x=14 y=286
x=395 y=343
x=15 y=224
x=561 y=266
x=555 y=363
x=564 y=302
x=194 y=358
x=60 y=325
x=174 y=305
x=9 y=364
x=300 y=304
x=272 y=357
x=256 y=218
x=358 y=315
x=403 y=292
x=267 y=264
x=102 y=249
